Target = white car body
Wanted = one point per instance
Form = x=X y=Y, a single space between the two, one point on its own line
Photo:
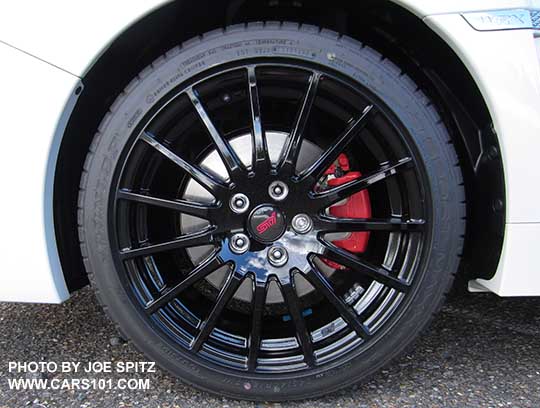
x=46 y=52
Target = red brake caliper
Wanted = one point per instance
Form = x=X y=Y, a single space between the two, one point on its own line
x=356 y=206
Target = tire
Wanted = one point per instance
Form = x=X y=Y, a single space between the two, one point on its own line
x=437 y=183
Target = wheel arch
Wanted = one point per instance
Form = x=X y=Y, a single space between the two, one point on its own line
x=383 y=25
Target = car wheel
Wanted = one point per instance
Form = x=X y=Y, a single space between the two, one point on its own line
x=272 y=211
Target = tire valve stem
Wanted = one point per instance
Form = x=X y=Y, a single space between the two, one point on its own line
x=353 y=294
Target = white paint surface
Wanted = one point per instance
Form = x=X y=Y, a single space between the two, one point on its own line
x=33 y=95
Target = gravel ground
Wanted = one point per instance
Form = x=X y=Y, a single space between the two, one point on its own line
x=482 y=351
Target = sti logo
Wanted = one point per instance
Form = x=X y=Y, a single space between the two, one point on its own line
x=267 y=224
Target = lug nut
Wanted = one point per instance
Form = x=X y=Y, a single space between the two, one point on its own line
x=239 y=203
x=239 y=244
x=302 y=224
x=278 y=256
x=278 y=190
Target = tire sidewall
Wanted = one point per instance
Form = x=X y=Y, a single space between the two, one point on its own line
x=308 y=44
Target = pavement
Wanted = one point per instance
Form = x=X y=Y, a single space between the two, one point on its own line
x=481 y=351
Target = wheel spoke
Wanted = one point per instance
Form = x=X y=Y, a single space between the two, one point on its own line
x=351 y=261
x=261 y=160
x=319 y=281
x=258 y=303
x=294 y=143
x=202 y=270
x=225 y=294
x=214 y=186
x=185 y=207
x=302 y=334
x=332 y=224
x=227 y=154
x=326 y=198
x=317 y=169
x=204 y=237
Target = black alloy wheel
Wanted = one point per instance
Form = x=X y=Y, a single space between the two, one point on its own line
x=210 y=226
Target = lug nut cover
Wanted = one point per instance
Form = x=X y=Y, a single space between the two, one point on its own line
x=239 y=203
x=278 y=256
x=239 y=243
x=278 y=190
x=302 y=223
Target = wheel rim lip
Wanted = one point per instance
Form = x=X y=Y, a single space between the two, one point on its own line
x=388 y=324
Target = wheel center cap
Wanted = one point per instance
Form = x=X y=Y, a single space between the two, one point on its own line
x=266 y=224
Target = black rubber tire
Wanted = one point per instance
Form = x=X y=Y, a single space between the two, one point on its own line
x=318 y=46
